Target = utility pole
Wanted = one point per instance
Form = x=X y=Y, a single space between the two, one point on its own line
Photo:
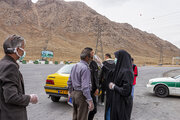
x=161 y=55
x=99 y=44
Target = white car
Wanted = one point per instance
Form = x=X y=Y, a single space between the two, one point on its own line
x=165 y=86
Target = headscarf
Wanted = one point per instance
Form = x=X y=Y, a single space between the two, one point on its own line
x=124 y=64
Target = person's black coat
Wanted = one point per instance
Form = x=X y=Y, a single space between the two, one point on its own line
x=94 y=81
x=105 y=77
x=94 y=76
x=108 y=66
x=109 y=93
x=13 y=100
x=121 y=107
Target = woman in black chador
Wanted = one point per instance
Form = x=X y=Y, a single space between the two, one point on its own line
x=122 y=86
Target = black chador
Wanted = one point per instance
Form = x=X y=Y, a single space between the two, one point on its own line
x=122 y=102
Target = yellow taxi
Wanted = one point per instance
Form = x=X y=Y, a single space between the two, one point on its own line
x=56 y=84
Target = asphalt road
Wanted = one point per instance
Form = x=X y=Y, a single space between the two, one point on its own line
x=146 y=106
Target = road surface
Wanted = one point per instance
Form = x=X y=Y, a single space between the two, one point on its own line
x=146 y=106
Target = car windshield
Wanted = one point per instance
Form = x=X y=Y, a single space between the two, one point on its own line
x=176 y=77
x=65 y=69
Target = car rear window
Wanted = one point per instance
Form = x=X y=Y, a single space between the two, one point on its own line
x=65 y=69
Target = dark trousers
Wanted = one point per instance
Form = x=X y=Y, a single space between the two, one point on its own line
x=102 y=95
x=103 y=88
x=92 y=113
x=80 y=106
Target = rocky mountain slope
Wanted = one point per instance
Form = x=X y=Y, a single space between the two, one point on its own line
x=67 y=27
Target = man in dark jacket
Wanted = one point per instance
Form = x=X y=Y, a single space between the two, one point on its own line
x=108 y=65
x=94 y=84
x=105 y=78
x=13 y=100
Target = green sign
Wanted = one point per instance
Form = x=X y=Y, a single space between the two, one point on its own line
x=47 y=54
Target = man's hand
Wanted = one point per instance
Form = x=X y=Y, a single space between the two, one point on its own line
x=98 y=60
x=111 y=86
x=91 y=105
x=34 y=98
x=96 y=92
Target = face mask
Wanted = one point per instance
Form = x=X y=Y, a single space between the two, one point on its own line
x=115 y=60
x=21 y=57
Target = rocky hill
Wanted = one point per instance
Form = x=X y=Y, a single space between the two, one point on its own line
x=67 y=27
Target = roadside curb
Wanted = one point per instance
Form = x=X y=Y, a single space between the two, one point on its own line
x=41 y=62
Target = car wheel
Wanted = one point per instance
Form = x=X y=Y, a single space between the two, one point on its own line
x=161 y=91
x=55 y=98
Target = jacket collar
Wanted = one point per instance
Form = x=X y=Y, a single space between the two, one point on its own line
x=109 y=59
x=7 y=57
x=82 y=61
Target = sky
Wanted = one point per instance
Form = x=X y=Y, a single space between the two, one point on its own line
x=160 y=17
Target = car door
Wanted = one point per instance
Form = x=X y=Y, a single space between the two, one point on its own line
x=178 y=85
